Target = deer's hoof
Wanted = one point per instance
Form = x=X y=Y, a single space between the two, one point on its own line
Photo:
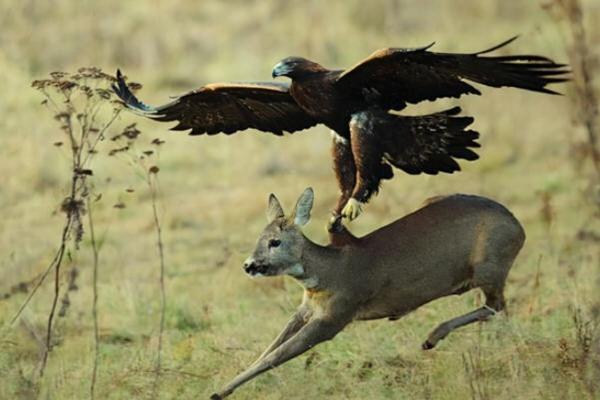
x=352 y=209
x=215 y=396
x=427 y=345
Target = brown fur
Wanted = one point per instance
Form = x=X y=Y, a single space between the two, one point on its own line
x=447 y=247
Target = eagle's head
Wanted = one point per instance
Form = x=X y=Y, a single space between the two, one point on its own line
x=295 y=67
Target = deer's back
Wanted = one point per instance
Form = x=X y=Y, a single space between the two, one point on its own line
x=433 y=251
x=454 y=219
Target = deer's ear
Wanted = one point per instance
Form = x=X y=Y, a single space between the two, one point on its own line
x=303 y=207
x=274 y=209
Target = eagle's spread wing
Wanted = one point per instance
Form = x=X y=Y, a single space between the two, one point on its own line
x=428 y=143
x=226 y=108
x=390 y=78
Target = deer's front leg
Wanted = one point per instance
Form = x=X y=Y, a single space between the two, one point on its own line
x=311 y=334
x=295 y=323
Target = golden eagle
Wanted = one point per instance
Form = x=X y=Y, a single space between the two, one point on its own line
x=357 y=105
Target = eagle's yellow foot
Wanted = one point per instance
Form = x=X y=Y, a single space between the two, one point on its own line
x=352 y=209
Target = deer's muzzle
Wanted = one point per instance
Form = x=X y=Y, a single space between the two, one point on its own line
x=252 y=268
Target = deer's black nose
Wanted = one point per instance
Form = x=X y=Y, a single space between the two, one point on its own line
x=250 y=266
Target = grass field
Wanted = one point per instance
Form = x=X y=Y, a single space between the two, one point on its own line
x=213 y=195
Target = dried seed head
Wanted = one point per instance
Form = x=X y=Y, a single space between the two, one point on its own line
x=65 y=85
x=103 y=93
x=131 y=132
x=40 y=84
x=87 y=91
x=119 y=150
x=62 y=116
x=58 y=75
x=134 y=86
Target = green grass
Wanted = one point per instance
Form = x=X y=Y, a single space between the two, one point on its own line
x=214 y=193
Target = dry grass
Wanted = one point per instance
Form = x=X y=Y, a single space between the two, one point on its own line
x=214 y=193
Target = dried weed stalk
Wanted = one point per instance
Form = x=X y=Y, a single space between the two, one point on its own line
x=583 y=61
x=145 y=163
x=83 y=106
x=95 y=252
x=152 y=180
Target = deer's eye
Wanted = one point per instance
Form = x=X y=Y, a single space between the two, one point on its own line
x=274 y=243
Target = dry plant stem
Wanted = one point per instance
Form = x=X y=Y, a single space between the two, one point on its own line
x=39 y=282
x=95 y=299
x=57 y=266
x=584 y=84
x=76 y=153
x=150 y=177
x=153 y=185
x=92 y=146
x=51 y=315
x=583 y=62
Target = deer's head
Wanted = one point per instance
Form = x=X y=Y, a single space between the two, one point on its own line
x=279 y=247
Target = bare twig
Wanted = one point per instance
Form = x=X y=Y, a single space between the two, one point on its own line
x=40 y=281
x=152 y=181
x=95 y=298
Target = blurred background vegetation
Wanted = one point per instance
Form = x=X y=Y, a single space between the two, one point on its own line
x=534 y=159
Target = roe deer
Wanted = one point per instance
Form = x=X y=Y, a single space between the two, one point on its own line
x=451 y=245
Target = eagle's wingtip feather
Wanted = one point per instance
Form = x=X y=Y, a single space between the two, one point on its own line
x=496 y=47
x=128 y=98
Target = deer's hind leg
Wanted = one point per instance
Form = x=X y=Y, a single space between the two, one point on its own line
x=443 y=329
x=492 y=257
x=490 y=276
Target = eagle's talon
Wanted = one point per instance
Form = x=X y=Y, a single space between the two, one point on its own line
x=352 y=209
x=335 y=224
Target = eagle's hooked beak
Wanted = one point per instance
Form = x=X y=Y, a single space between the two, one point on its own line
x=280 y=69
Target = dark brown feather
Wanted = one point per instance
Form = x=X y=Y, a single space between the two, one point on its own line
x=427 y=143
x=400 y=76
x=420 y=144
x=226 y=108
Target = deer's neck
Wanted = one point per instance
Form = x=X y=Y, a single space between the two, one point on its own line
x=316 y=263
